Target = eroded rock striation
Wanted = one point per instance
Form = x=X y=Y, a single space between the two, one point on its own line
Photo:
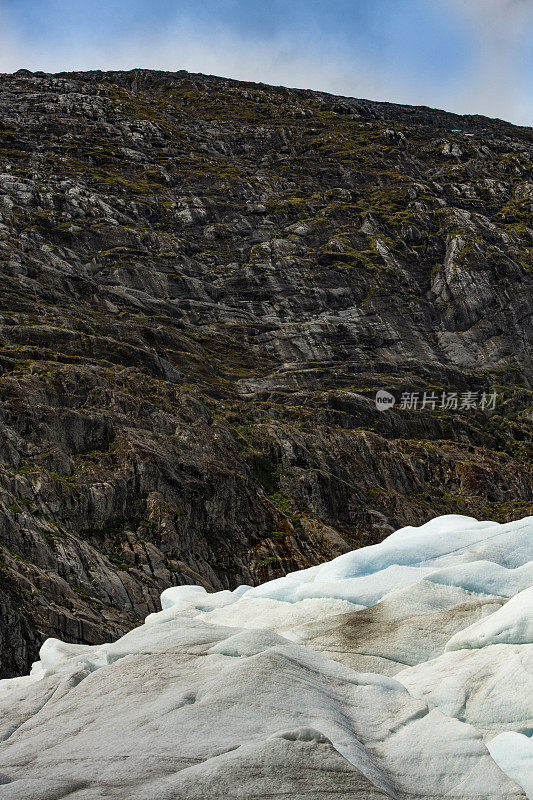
x=204 y=283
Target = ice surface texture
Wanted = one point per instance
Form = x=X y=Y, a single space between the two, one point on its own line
x=402 y=670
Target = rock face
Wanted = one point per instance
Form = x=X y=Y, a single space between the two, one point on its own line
x=204 y=283
x=250 y=694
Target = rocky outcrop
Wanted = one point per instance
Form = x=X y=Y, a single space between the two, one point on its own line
x=204 y=283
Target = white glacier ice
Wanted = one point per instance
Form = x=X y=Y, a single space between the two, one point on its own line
x=512 y=624
x=402 y=670
x=514 y=753
x=447 y=543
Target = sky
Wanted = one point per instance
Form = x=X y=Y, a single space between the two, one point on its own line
x=468 y=56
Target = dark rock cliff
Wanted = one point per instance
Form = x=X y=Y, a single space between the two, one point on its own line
x=203 y=285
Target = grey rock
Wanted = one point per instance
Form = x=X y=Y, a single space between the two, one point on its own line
x=204 y=283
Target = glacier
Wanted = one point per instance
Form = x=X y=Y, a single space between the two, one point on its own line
x=402 y=670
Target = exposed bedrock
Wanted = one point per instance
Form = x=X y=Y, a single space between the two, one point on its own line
x=203 y=285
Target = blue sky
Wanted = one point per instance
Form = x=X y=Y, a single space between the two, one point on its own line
x=471 y=56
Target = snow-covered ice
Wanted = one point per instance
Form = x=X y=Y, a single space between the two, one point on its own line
x=514 y=753
x=512 y=624
x=401 y=670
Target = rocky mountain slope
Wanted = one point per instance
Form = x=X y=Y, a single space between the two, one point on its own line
x=204 y=283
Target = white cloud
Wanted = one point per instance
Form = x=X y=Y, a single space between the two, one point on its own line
x=501 y=31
